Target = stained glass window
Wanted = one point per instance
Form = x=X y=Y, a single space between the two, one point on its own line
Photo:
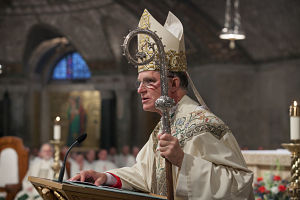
x=71 y=67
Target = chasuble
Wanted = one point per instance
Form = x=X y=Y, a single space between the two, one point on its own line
x=212 y=168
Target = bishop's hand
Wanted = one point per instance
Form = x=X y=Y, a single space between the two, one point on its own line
x=170 y=149
x=90 y=176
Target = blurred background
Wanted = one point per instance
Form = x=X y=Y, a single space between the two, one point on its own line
x=63 y=58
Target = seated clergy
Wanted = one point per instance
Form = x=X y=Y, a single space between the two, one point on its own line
x=206 y=159
x=135 y=151
x=125 y=159
x=103 y=164
x=113 y=156
x=77 y=163
x=89 y=162
x=39 y=167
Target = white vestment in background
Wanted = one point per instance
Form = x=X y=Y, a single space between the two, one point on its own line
x=125 y=161
x=89 y=166
x=113 y=158
x=212 y=168
x=104 y=165
x=39 y=168
x=74 y=168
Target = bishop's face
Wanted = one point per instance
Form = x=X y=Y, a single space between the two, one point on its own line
x=148 y=83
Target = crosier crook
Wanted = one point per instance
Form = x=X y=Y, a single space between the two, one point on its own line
x=164 y=102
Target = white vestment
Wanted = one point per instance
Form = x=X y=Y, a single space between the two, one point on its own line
x=89 y=166
x=113 y=159
x=74 y=168
x=39 y=168
x=125 y=161
x=104 y=165
x=212 y=168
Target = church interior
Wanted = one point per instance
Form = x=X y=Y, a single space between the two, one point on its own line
x=63 y=59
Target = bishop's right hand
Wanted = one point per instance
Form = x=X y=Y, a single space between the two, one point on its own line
x=90 y=176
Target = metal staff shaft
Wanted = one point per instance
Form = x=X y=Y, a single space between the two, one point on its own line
x=164 y=102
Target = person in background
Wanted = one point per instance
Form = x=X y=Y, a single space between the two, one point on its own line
x=39 y=167
x=78 y=164
x=113 y=156
x=135 y=151
x=125 y=158
x=103 y=164
x=34 y=153
x=89 y=162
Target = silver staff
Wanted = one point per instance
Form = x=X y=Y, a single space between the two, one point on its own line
x=164 y=102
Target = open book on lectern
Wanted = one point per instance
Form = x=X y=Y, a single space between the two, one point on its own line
x=69 y=190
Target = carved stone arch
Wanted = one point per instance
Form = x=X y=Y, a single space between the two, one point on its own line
x=44 y=56
x=59 y=50
x=36 y=35
x=44 y=47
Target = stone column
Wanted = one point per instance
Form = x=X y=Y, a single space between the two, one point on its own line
x=32 y=113
x=108 y=119
x=17 y=111
x=45 y=114
x=6 y=102
x=123 y=121
x=14 y=119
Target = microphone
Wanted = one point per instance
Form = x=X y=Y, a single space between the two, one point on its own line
x=62 y=169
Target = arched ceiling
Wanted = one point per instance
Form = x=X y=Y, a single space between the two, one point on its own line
x=272 y=27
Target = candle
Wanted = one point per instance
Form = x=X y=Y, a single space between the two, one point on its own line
x=57 y=129
x=295 y=121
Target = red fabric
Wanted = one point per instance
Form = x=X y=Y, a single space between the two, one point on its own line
x=118 y=183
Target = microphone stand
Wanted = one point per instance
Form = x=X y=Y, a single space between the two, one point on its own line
x=62 y=169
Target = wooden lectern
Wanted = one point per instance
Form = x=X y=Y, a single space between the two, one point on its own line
x=52 y=190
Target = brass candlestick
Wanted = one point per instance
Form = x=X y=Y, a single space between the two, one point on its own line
x=56 y=163
x=294 y=148
x=294 y=187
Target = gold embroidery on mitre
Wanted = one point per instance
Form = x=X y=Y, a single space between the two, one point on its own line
x=144 y=41
x=176 y=61
x=145 y=20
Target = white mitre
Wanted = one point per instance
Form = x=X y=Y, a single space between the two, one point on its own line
x=172 y=38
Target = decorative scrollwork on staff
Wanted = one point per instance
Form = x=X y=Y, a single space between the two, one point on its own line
x=141 y=56
x=163 y=103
